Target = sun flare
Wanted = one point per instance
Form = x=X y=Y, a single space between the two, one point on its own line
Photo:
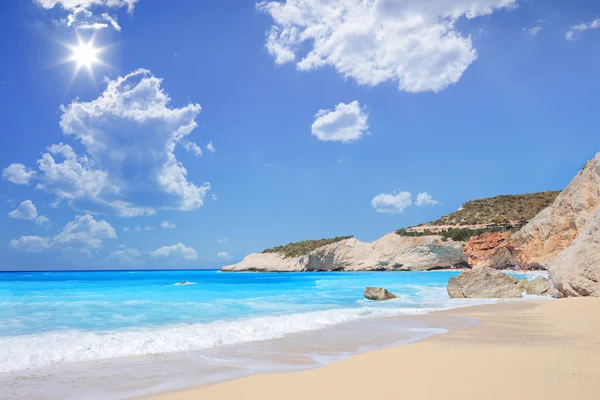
x=84 y=55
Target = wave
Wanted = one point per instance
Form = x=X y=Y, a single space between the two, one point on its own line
x=184 y=283
x=34 y=351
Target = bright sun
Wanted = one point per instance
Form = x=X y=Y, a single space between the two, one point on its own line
x=84 y=54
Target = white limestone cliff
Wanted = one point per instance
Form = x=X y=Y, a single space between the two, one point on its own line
x=391 y=252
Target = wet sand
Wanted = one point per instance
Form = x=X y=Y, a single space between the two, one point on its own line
x=519 y=350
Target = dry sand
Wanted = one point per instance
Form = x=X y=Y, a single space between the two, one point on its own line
x=524 y=350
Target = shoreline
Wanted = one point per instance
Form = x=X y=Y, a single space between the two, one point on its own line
x=341 y=337
x=528 y=349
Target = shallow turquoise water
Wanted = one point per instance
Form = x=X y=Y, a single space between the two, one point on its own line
x=37 y=302
x=56 y=317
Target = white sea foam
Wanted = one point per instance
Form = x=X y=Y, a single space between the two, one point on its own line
x=33 y=351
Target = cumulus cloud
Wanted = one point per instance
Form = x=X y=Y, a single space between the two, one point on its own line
x=425 y=199
x=576 y=29
x=31 y=244
x=347 y=123
x=175 y=250
x=210 y=147
x=126 y=256
x=414 y=43
x=42 y=220
x=26 y=210
x=79 y=14
x=395 y=202
x=224 y=256
x=83 y=233
x=18 y=174
x=167 y=225
x=128 y=167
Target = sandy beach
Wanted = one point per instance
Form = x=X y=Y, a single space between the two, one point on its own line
x=520 y=350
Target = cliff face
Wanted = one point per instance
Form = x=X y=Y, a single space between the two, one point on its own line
x=576 y=271
x=391 y=252
x=488 y=250
x=554 y=229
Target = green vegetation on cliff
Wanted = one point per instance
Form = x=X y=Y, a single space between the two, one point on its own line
x=300 y=248
x=499 y=210
x=459 y=234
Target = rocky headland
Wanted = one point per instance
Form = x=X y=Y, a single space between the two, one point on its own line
x=555 y=228
x=389 y=253
x=559 y=231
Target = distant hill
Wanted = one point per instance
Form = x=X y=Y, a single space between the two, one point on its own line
x=300 y=248
x=499 y=210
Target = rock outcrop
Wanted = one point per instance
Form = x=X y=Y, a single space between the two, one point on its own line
x=488 y=250
x=538 y=286
x=378 y=294
x=483 y=283
x=551 y=231
x=576 y=271
x=391 y=252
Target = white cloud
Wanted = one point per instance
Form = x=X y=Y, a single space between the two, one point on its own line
x=30 y=244
x=395 y=202
x=192 y=147
x=210 y=147
x=81 y=234
x=425 y=199
x=347 y=123
x=26 y=210
x=575 y=29
x=167 y=225
x=85 y=231
x=414 y=43
x=146 y=228
x=214 y=197
x=80 y=16
x=126 y=257
x=224 y=256
x=18 y=174
x=138 y=228
x=224 y=240
x=533 y=31
x=42 y=220
x=112 y=20
x=129 y=168
x=175 y=250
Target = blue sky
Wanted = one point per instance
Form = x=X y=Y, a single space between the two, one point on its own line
x=324 y=118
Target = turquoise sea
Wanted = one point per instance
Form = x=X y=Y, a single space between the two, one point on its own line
x=53 y=320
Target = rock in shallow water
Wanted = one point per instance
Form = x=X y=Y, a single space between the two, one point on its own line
x=538 y=286
x=379 y=294
x=483 y=283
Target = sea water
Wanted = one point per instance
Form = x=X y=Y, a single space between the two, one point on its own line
x=178 y=328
